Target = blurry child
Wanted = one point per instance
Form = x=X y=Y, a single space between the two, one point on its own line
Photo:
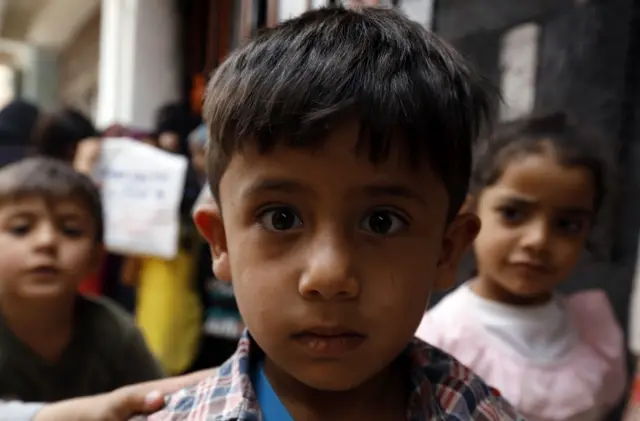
x=55 y=344
x=197 y=151
x=223 y=324
x=68 y=135
x=168 y=307
x=340 y=156
x=537 y=191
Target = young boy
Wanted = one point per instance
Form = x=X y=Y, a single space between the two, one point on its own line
x=340 y=155
x=55 y=344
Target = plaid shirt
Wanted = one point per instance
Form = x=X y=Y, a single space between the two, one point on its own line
x=444 y=390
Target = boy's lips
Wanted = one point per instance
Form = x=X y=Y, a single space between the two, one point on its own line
x=336 y=330
x=45 y=270
x=329 y=341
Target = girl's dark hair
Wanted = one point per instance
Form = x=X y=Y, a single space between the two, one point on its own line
x=179 y=119
x=571 y=145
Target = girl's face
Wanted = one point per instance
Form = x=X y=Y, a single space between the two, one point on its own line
x=535 y=221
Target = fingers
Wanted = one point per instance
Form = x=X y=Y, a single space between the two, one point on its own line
x=153 y=401
x=145 y=398
x=128 y=402
x=171 y=384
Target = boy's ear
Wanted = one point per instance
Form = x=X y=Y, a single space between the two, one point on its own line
x=458 y=236
x=208 y=219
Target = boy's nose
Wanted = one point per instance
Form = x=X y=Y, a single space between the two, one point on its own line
x=45 y=237
x=329 y=274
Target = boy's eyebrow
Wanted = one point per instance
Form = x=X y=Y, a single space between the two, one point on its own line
x=281 y=185
x=372 y=190
x=393 y=190
x=71 y=215
x=19 y=214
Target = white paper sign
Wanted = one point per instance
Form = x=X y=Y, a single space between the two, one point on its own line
x=519 y=63
x=142 y=188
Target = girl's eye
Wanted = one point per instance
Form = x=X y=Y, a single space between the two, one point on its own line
x=569 y=226
x=383 y=222
x=280 y=219
x=511 y=215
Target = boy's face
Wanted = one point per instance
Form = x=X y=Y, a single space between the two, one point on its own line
x=332 y=259
x=46 y=249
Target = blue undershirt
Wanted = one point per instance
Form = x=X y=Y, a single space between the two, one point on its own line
x=270 y=405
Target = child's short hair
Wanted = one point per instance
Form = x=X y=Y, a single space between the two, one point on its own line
x=294 y=82
x=570 y=144
x=51 y=180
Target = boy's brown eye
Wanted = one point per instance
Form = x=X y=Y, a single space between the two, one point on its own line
x=383 y=222
x=380 y=223
x=280 y=219
x=19 y=229
x=72 y=231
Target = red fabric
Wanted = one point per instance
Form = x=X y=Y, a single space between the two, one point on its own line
x=92 y=284
x=635 y=392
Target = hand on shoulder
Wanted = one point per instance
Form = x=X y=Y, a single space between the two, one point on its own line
x=121 y=404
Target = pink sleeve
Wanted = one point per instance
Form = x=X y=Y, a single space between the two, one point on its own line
x=616 y=381
x=430 y=331
x=592 y=313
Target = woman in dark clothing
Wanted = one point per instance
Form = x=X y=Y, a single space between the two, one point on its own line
x=17 y=120
x=174 y=124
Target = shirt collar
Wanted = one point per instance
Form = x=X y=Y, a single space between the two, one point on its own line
x=442 y=390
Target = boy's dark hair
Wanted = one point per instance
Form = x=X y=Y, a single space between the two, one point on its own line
x=51 y=180
x=553 y=133
x=296 y=81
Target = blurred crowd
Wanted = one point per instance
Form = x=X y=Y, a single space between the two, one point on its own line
x=189 y=319
x=523 y=201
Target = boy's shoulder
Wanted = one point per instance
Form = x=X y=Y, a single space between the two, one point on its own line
x=226 y=394
x=104 y=321
x=455 y=389
x=443 y=387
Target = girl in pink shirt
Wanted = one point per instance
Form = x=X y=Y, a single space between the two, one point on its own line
x=536 y=190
